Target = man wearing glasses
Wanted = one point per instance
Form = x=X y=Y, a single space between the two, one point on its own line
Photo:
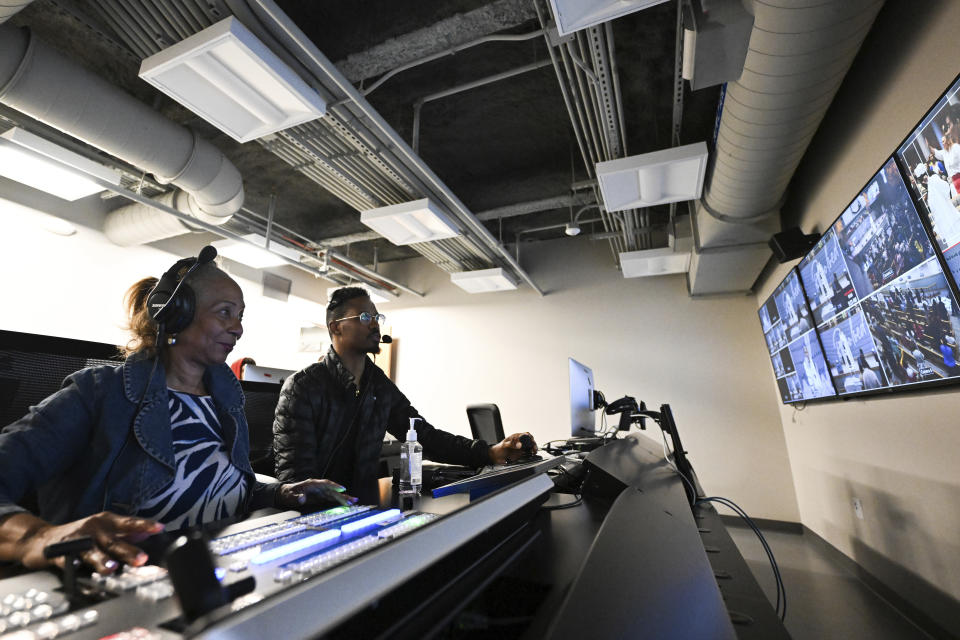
x=332 y=416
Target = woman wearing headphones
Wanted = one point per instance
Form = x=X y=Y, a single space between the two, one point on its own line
x=121 y=452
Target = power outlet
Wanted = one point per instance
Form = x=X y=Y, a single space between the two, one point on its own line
x=858 y=508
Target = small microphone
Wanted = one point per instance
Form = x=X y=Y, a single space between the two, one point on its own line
x=206 y=254
x=386 y=339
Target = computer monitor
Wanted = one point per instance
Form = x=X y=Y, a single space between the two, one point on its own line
x=582 y=421
x=795 y=351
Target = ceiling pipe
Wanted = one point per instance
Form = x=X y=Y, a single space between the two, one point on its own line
x=346 y=266
x=797 y=58
x=418 y=105
x=519 y=37
x=9 y=8
x=39 y=82
x=288 y=31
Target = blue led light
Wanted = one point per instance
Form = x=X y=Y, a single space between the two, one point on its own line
x=296 y=545
x=350 y=527
x=220 y=572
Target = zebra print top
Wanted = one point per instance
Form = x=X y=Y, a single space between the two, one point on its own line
x=206 y=486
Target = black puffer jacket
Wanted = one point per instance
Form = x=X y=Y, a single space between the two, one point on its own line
x=316 y=408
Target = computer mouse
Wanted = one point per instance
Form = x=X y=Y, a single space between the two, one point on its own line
x=527 y=443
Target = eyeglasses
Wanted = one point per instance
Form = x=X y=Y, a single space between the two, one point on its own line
x=365 y=318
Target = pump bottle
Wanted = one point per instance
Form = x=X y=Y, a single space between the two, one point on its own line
x=411 y=462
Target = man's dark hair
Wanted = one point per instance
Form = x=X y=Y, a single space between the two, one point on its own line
x=340 y=298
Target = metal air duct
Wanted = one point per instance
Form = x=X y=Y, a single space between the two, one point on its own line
x=800 y=51
x=39 y=82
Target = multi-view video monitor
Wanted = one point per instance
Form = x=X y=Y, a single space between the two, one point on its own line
x=798 y=362
x=881 y=303
x=931 y=157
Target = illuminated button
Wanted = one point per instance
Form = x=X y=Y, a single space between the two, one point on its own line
x=23 y=634
x=19 y=618
x=296 y=546
x=406 y=525
x=69 y=623
x=369 y=521
x=42 y=612
x=89 y=618
x=48 y=631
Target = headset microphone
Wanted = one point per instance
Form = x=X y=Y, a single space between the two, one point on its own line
x=386 y=339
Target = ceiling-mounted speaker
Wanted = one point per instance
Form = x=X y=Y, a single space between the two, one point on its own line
x=716 y=34
x=792 y=244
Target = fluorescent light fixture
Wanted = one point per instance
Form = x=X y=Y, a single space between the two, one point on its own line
x=484 y=280
x=229 y=78
x=43 y=165
x=378 y=296
x=660 y=177
x=410 y=222
x=21 y=215
x=573 y=15
x=255 y=256
x=653 y=262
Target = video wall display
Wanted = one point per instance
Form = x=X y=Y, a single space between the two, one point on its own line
x=931 y=156
x=880 y=300
x=798 y=363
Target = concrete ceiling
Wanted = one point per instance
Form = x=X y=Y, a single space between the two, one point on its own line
x=497 y=145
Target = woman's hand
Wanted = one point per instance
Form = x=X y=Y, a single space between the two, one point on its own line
x=23 y=537
x=312 y=492
x=510 y=449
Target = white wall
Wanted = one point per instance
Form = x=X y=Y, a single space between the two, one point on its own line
x=642 y=337
x=73 y=286
x=897 y=454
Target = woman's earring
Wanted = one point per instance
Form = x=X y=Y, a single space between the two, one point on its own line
x=171 y=340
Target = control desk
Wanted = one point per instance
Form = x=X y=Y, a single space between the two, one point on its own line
x=625 y=559
x=310 y=572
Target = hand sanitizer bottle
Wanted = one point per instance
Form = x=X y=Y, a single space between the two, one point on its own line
x=411 y=462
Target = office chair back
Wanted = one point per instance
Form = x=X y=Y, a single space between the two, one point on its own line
x=485 y=423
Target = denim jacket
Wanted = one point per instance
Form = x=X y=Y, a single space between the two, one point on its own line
x=66 y=448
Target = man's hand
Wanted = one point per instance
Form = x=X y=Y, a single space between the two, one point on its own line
x=510 y=449
x=312 y=492
x=111 y=534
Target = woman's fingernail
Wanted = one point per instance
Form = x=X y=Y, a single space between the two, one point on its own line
x=110 y=564
x=141 y=559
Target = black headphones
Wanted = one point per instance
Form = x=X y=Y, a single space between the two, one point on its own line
x=172 y=302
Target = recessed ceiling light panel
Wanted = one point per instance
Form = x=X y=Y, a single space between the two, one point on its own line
x=573 y=15
x=660 y=177
x=255 y=257
x=410 y=222
x=484 y=280
x=43 y=165
x=653 y=262
x=228 y=77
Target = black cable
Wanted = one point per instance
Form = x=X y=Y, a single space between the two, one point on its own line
x=566 y=505
x=781 y=589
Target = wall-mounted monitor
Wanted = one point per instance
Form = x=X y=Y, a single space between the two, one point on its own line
x=798 y=362
x=880 y=300
x=931 y=157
